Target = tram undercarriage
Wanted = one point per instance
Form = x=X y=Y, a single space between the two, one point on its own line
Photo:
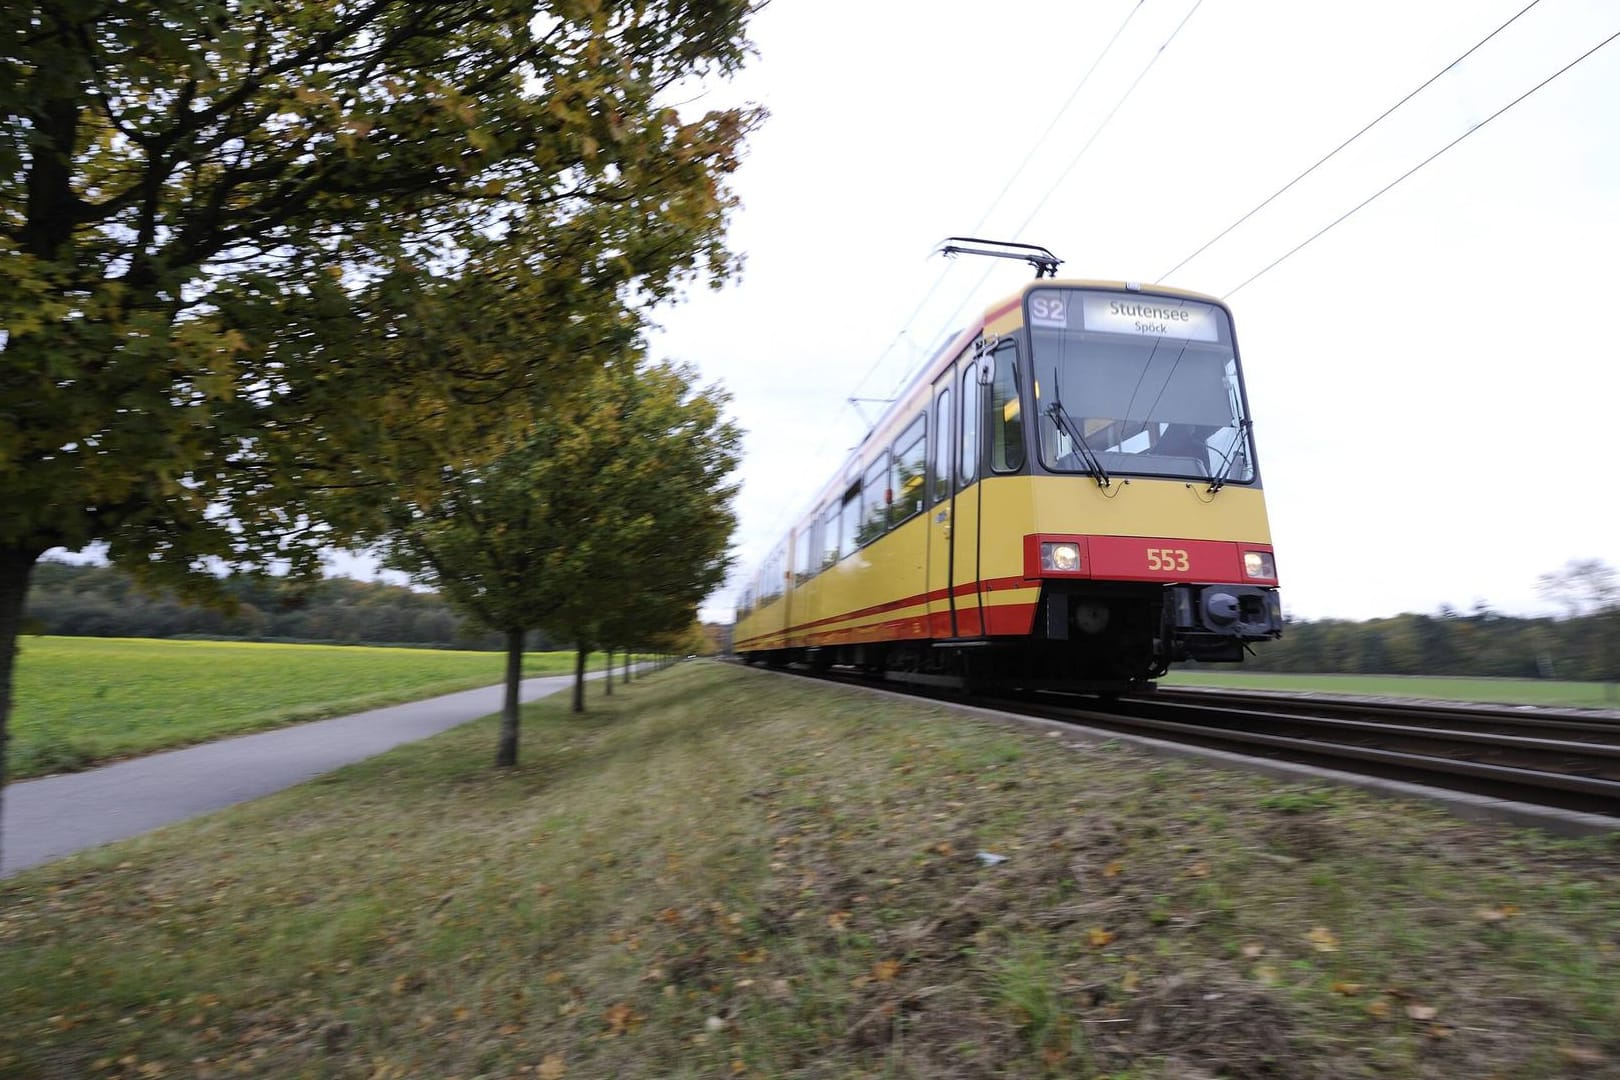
x=1102 y=637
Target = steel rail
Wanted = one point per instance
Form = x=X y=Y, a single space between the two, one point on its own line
x=1551 y=769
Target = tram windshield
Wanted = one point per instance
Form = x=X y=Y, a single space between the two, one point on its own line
x=1149 y=384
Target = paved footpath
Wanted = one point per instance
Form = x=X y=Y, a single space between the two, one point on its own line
x=54 y=816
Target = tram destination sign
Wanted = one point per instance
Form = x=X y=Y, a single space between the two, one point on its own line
x=1116 y=313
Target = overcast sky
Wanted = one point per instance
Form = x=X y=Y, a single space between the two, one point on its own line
x=1433 y=382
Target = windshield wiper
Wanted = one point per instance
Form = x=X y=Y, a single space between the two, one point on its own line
x=1233 y=452
x=1060 y=416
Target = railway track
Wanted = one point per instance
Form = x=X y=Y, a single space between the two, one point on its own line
x=1530 y=757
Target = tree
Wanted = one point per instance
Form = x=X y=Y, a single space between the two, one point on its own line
x=1589 y=592
x=253 y=257
x=605 y=524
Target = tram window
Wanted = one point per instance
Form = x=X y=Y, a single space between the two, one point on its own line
x=942 y=447
x=879 y=489
x=1005 y=415
x=829 y=536
x=970 y=426
x=910 y=465
x=803 y=545
x=850 y=521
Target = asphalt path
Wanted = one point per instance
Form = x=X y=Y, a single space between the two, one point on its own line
x=55 y=816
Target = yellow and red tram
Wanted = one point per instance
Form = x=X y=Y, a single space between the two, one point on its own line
x=1066 y=496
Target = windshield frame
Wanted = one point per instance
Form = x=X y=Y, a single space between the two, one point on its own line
x=1226 y=446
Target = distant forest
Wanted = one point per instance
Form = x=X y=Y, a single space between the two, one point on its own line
x=95 y=601
x=1479 y=643
x=98 y=601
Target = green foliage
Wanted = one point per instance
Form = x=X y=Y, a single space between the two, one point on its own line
x=612 y=515
x=256 y=255
x=100 y=601
x=1481 y=643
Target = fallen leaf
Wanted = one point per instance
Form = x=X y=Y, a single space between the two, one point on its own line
x=1113 y=869
x=1252 y=950
x=885 y=970
x=1198 y=869
x=552 y=1068
x=1422 y=1012
x=1348 y=989
x=944 y=848
x=1130 y=982
x=838 y=920
x=1378 y=1009
x=620 y=1018
x=1323 y=940
x=1266 y=975
x=1100 y=937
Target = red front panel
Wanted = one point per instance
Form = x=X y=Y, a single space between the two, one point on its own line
x=1138 y=558
x=1147 y=558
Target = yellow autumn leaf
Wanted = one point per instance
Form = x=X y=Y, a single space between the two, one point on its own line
x=884 y=970
x=1378 y=1009
x=1266 y=975
x=838 y=920
x=552 y=1068
x=1113 y=869
x=1099 y=937
x=1348 y=989
x=1130 y=982
x=620 y=1018
x=1198 y=869
x=1323 y=940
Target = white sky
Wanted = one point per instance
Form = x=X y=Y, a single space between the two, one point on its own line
x=1433 y=383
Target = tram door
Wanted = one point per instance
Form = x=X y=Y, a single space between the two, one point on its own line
x=941 y=499
x=965 y=536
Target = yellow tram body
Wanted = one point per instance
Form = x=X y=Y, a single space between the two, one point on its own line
x=1066 y=495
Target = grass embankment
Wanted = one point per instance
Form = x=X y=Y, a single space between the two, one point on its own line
x=83 y=701
x=723 y=873
x=1549 y=693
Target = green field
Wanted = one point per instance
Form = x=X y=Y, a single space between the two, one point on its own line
x=1579 y=695
x=723 y=873
x=80 y=701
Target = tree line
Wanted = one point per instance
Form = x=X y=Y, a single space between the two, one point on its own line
x=103 y=601
x=1480 y=643
x=282 y=278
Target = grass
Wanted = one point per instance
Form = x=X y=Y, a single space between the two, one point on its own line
x=1550 y=693
x=717 y=872
x=84 y=701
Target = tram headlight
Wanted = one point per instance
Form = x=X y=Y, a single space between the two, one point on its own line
x=1259 y=564
x=1060 y=556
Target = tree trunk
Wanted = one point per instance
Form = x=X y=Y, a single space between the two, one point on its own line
x=579 y=676
x=506 y=748
x=627 y=655
x=16 y=564
x=607 y=669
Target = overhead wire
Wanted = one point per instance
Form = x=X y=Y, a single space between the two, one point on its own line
x=1420 y=165
x=1018 y=171
x=1012 y=179
x=1330 y=155
x=1074 y=161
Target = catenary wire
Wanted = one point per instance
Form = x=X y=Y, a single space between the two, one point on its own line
x=1342 y=217
x=939 y=280
x=1012 y=179
x=1064 y=175
x=1334 y=152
